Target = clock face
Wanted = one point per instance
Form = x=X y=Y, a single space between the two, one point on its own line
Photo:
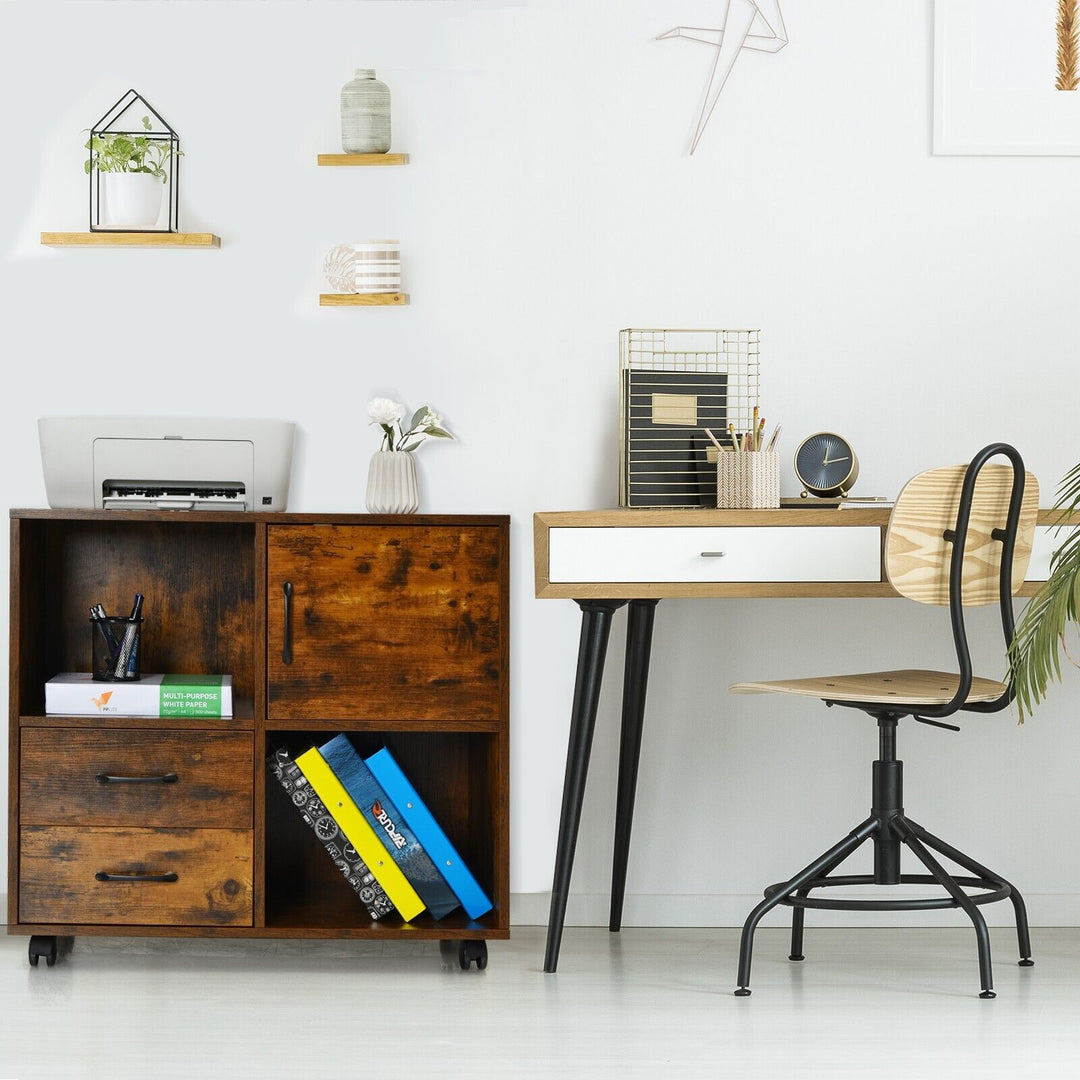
x=826 y=464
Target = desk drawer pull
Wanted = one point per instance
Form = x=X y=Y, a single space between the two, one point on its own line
x=103 y=875
x=713 y=554
x=165 y=778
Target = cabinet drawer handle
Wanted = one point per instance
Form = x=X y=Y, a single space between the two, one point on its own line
x=286 y=644
x=104 y=875
x=713 y=554
x=165 y=778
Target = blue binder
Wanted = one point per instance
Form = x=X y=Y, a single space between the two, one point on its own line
x=419 y=818
x=383 y=816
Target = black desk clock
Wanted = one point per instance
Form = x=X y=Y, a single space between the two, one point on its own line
x=826 y=465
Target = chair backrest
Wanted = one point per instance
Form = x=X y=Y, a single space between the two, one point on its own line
x=917 y=554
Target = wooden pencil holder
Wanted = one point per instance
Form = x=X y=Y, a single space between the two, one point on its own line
x=749 y=480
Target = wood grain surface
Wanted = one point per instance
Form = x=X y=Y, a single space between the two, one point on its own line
x=386 y=621
x=58 y=864
x=917 y=557
x=901 y=687
x=60 y=766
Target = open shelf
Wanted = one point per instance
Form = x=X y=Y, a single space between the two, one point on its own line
x=363 y=159
x=455 y=774
x=389 y=299
x=243 y=719
x=130 y=239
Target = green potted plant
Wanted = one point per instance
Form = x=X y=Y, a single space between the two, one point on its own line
x=1039 y=642
x=132 y=174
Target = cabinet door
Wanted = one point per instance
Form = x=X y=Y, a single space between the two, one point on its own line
x=385 y=622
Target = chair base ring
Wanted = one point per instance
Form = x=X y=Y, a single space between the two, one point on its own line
x=993 y=891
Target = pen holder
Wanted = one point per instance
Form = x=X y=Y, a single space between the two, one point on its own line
x=116 y=649
x=749 y=480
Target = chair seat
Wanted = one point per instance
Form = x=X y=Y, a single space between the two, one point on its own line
x=903 y=687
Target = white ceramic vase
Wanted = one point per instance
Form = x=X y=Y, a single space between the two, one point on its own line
x=131 y=200
x=391 y=483
x=365 y=114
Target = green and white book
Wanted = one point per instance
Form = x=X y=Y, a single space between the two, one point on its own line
x=75 y=693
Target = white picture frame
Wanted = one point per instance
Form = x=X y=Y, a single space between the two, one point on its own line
x=995 y=64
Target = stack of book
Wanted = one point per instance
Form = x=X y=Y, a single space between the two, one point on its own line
x=378 y=831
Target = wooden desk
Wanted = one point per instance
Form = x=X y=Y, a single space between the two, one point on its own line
x=607 y=558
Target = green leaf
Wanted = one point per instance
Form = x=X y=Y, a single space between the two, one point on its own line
x=439 y=433
x=1035 y=653
x=418 y=416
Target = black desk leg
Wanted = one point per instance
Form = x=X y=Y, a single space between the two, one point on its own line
x=592 y=649
x=635 y=680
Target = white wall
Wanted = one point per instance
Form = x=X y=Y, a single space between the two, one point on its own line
x=922 y=305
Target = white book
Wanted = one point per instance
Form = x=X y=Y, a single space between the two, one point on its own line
x=75 y=693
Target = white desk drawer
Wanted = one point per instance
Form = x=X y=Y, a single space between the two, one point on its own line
x=794 y=553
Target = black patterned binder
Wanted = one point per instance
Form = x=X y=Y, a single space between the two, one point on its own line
x=322 y=823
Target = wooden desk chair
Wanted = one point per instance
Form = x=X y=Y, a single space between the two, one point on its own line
x=957 y=537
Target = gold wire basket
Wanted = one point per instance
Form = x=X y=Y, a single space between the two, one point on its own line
x=673 y=384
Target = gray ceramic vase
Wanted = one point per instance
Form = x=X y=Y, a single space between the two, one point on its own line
x=365 y=114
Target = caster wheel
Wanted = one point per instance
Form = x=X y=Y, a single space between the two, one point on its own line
x=42 y=945
x=468 y=951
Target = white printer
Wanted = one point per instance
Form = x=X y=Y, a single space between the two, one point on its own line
x=166 y=464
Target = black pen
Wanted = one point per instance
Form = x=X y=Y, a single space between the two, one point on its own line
x=97 y=615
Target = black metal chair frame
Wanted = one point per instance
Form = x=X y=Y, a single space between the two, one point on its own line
x=888 y=826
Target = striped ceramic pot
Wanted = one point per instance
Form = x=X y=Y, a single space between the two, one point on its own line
x=365 y=114
x=391 y=483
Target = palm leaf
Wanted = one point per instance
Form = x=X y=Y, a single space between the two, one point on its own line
x=1035 y=652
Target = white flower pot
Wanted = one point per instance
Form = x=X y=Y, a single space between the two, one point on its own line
x=131 y=200
x=391 y=484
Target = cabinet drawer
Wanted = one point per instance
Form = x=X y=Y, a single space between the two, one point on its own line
x=386 y=621
x=209 y=870
x=60 y=771
x=707 y=553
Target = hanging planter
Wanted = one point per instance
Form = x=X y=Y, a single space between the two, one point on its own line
x=133 y=169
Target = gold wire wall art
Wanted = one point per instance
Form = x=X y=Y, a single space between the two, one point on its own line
x=673 y=384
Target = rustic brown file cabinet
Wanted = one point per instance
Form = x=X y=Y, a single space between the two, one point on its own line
x=394 y=629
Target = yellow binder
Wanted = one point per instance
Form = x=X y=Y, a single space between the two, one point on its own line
x=360 y=834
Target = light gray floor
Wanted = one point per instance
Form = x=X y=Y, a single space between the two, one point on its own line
x=643 y=1003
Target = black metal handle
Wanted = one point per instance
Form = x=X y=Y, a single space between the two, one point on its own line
x=104 y=875
x=165 y=778
x=286 y=643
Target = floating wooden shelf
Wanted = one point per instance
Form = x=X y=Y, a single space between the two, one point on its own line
x=336 y=299
x=130 y=239
x=363 y=159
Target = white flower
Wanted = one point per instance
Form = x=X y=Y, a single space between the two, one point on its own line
x=384 y=411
